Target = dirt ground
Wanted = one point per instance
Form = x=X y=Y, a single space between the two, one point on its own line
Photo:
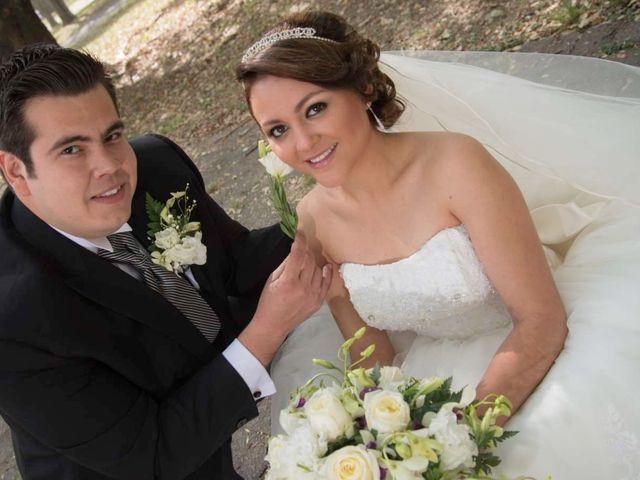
x=173 y=62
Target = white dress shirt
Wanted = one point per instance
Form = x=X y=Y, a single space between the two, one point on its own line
x=242 y=360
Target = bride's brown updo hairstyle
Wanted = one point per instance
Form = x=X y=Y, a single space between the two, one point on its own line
x=337 y=57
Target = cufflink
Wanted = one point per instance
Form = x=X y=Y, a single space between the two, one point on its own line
x=257 y=394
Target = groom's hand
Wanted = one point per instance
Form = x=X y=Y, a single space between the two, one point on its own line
x=294 y=291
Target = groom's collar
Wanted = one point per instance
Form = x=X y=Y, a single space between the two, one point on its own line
x=93 y=244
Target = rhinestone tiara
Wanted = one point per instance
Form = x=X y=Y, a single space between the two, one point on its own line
x=274 y=37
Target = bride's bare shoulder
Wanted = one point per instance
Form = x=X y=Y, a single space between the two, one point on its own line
x=449 y=152
x=310 y=203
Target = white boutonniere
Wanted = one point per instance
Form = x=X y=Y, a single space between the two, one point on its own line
x=176 y=240
x=278 y=170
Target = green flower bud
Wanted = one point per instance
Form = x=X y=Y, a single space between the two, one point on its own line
x=359 y=333
x=191 y=227
x=403 y=450
x=347 y=345
x=367 y=352
x=324 y=363
x=164 y=214
x=362 y=378
x=351 y=404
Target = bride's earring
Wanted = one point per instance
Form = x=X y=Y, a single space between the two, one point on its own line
x=375 y=117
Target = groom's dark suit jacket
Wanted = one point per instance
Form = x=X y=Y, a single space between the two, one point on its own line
x=101 y=377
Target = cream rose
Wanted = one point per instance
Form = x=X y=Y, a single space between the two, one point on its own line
x=167 y=238
x=351 y=463
x=386 y=411
x=190 y=251
x=327 y=416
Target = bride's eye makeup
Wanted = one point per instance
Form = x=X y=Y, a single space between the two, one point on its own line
x=313 y=110
x=277 y=131
x=316 y=108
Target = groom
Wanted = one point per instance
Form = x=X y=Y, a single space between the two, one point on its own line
x=112 y=366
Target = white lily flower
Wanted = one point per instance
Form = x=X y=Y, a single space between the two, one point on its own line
x=274 y=166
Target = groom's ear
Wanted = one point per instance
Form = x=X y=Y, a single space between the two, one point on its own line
x=14 y=172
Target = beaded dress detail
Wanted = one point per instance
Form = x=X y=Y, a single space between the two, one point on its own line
x=441 y=291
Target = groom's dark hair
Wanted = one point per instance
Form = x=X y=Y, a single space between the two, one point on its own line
x=36 y=70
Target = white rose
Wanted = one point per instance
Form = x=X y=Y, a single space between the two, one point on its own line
x=327 y=416
x=386 y=411
x=290 y=421
x=390 y=378
x=296 y=456
x=190 y=251
x=167 y=238
x=351 y=463
x=458 y=447
x=274 y=166
x=275 y=457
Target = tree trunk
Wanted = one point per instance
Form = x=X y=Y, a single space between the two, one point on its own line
x=45 y=10
x=63 y=11
x=20 y=26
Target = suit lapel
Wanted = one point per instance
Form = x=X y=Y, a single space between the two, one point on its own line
x=105 y=284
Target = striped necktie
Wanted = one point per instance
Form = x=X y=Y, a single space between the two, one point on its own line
x=176 y=289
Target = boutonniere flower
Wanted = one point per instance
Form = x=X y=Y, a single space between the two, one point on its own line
x=176 y=240
x=278 y=170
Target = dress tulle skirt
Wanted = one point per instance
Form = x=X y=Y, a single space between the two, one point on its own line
x=568 y=130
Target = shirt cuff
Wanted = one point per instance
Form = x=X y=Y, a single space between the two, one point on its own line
x=250 y=369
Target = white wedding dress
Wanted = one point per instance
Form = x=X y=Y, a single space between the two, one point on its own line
x=573 y=146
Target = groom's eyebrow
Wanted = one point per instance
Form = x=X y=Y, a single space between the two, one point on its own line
x=117 y=125
x=69 y=139
x=296 y=109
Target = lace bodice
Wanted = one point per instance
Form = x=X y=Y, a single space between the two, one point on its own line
x=440 y=291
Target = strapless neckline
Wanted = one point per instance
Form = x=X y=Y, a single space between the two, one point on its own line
x=424 y=246
x=441 y=290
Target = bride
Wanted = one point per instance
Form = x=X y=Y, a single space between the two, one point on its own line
x=506 y=255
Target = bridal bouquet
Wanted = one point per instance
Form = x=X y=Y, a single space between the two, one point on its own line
x=377 y=424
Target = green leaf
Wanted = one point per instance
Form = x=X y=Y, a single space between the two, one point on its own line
x=288 y=230
x=432 y=474
x=505 y=435
x=375 y=374
x=153 y=208
x=485 y=461
x=338 y=443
